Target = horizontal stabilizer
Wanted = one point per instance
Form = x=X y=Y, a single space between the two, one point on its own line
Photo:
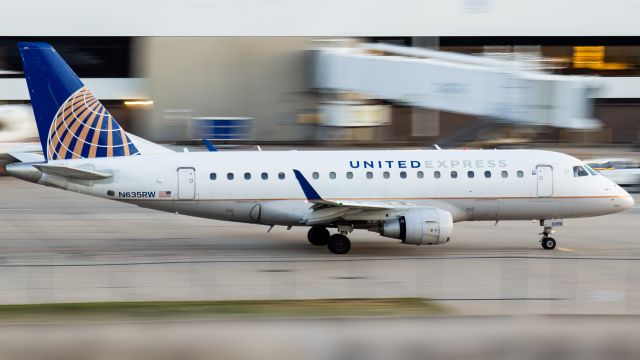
x=72 y=173
x=27 y=157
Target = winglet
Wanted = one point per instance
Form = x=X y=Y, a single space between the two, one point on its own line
x=209 y=145
x=309 y=191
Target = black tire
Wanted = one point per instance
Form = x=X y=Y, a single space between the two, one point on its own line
x=339 y=244
x=318 y=235
x=548 y=243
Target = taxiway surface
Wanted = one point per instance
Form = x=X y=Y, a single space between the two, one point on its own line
x=57 y=246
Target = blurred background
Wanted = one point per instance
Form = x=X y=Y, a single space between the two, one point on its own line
x=402 y=90
x=88 y=278
x=475 y=91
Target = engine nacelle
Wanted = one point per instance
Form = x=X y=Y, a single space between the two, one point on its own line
x=422 y=226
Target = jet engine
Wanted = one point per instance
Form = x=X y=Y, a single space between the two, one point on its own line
x=422 y=226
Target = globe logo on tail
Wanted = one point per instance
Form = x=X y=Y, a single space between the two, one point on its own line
x=83 y=128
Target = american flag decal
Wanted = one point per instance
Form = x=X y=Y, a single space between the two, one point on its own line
x=164 y=194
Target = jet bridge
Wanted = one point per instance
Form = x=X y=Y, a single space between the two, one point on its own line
x=513 y=90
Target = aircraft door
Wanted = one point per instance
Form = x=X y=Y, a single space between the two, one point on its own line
x=186 y=183
x=545 y=180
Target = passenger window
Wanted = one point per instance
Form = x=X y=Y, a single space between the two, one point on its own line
x=436 y=174
x=247 y=176
x=281 y=175
x=349 y=175
x=369 y=175
x=386 y=175
x=315 y=175
x=332 y=175
x=579 y=171
x=264 y=176
x=229 y=176
x=454 y=174
x=403 y=174
x=520 y=173
x=470 y=174
x=212 y=176
x=504 y=174
x=487 y=174
x=420 y=174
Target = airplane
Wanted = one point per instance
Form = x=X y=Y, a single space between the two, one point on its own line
x=412 y=195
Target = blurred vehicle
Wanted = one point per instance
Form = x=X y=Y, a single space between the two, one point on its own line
x=17 y=125
x=622 y=171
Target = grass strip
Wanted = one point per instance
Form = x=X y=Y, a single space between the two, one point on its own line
x=141 y=310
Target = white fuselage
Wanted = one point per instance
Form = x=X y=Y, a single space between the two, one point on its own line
x=506 y=184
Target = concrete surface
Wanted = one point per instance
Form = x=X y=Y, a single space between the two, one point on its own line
x=57 y=246
x=477 y=338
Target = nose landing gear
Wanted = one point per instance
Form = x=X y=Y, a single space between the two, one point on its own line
x=547 y=242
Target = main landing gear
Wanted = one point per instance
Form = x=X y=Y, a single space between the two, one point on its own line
x=318 y=235
x=547 y=242
x=337 y=243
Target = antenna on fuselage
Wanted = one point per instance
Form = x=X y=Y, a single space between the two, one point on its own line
x=437 y=147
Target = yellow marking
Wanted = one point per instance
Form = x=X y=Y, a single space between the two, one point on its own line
x=565 y=249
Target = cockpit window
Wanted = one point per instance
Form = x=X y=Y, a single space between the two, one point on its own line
x=579 y=171
x=590 y=170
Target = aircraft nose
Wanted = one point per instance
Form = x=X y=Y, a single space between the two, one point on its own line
x=627 y=201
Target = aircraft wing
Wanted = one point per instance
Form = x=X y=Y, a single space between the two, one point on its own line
x=328 y=210
x=72 y=173
x=364 y=205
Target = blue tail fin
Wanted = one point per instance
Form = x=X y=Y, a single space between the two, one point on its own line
x=72 y=123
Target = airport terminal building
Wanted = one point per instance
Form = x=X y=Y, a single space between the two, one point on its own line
x=404 y=90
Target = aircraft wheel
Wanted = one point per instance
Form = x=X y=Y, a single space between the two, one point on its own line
x=548 y=243
x=339 y=244
x=318 y=235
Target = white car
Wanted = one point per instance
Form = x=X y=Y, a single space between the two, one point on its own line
x=622 y=171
